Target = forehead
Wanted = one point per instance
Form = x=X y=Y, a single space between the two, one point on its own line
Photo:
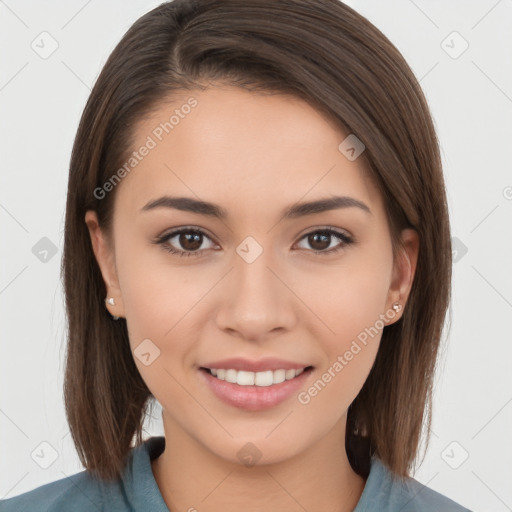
x=241 y=149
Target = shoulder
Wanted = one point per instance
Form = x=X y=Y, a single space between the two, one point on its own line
x=136 y=489
x=385 y=492
x=416 y=496
x=77 y=492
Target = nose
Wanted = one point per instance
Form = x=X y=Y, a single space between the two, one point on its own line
x=256 y=303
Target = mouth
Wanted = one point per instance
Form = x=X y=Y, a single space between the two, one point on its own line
x=263 y=378
x=254 y=391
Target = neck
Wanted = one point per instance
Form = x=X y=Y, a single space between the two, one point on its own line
x=192 y=477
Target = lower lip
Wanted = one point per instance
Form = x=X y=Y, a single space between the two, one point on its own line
x=254 y=398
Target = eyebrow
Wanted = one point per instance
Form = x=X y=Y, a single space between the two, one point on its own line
x=296 y=210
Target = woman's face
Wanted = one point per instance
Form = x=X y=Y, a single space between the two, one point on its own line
x=255 y=284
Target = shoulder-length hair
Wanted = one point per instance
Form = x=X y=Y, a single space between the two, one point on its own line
x=332 y=57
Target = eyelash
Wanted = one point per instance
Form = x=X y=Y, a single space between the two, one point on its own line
x=345 y=239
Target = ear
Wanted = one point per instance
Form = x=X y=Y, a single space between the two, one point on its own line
x=105 y=256
x=404 y=269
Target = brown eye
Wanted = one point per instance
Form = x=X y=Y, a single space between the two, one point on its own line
x=185 y=242
x=318 y=241
x=322 y=239
x=190 y=241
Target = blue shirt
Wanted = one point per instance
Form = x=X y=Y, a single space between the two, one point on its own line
x=137 y=490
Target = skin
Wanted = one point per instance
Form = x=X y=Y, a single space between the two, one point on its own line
x=254 y=155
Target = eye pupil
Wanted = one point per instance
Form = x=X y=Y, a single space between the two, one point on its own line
x=190 y=241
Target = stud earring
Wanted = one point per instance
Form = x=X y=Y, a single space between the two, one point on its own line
x=112 y=302
x=397 y=307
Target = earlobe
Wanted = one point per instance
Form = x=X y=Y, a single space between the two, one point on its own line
x=403 y=272
x=105 y=257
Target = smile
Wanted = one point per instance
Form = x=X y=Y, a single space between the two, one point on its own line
x=254 y=391
x=245 y=378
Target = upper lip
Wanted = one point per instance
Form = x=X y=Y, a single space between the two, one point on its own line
x=269 y=363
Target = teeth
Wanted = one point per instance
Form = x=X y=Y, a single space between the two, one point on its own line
x=279 y=376
x=245 y=378
x=265 y=378
x=230 y=376
x=289 y=374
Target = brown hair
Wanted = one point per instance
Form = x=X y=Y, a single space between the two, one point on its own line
x=330 y=56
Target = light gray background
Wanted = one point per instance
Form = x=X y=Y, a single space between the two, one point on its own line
x=470 y=95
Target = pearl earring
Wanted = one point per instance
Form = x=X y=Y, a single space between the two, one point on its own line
x=112 y=302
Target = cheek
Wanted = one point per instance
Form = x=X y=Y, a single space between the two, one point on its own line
x=161 y=305
x=355 y=312
x=349 y=297
x=156 y=294
x=351 y=302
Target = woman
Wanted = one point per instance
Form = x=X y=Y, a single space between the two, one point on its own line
x=257 y=237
